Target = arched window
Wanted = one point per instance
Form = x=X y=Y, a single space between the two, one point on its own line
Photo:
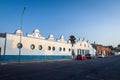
x=53 y=48
x=32 y=46
x=60 y=49
x=69 y=49
x=40 y=47
x=63 y=49
x=49 y=48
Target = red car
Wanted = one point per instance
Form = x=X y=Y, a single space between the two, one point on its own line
x=81 y=57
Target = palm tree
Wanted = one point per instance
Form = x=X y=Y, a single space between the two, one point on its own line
x=72 y=40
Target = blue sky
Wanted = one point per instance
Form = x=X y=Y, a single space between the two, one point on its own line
x=95 y=20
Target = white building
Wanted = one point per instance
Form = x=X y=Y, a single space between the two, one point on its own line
x=83 y=47
x=35 y=46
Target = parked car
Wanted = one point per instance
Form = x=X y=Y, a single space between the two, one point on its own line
x=88 y=56
x=81 y=57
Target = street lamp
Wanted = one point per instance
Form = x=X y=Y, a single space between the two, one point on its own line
x=19 y=45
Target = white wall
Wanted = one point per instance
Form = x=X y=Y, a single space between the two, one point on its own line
x=36 y=39
x=13 y=40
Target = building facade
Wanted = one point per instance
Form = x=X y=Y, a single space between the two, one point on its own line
x=101 y=51
x=83 y=47
x=35 y=46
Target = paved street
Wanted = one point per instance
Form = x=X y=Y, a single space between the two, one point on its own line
x=96 y=69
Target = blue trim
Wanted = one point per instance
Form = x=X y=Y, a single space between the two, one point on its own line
x=33 y=57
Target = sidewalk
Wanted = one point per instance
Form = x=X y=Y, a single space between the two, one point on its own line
x=30 y=61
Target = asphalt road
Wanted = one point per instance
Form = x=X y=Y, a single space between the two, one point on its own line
x=95 y=69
